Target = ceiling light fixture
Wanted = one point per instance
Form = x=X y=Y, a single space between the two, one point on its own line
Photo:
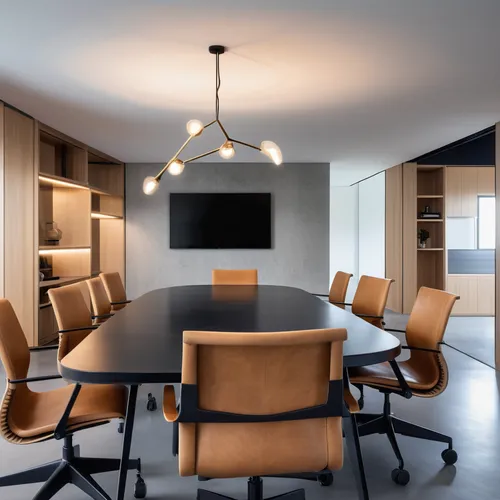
x=195 y=128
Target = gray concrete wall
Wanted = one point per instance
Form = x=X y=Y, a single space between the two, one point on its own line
x=300 y=244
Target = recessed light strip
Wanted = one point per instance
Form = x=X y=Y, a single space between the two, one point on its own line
x=58 y=182
x=47 y=251
x=99 y=215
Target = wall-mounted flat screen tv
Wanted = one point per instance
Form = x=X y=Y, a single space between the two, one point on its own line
x=220 y=220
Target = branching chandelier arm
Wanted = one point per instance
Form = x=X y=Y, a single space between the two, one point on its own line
x=175 y=165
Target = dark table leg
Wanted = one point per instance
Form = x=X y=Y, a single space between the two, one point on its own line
x=127 y=441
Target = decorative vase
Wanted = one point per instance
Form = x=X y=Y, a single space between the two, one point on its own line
x=52 y=233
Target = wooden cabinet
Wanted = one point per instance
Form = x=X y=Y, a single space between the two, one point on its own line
x=477 y=294
x=486 y=181
x=464 y=185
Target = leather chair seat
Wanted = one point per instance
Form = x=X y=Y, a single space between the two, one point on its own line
x=37 y=413
x=382 y=374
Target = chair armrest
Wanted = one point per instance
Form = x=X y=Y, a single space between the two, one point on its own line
x=121 y=302
x=170 y=411
x=411 y=348
x=34 y=379
x=44 y=348
x=69 y=330
x=369 y=316
x=394 y=330
x=102 y=316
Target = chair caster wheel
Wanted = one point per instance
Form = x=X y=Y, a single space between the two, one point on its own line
x=325 y=479
x=449 y=456
x=140 y=489
x=151 y=405
x=400 y=476
x=120 y=428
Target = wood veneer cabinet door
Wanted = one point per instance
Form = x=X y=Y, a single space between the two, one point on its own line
x=19 y=182
x=394 y=236
x=469 y=192
x=486 y=181
x=453 y=192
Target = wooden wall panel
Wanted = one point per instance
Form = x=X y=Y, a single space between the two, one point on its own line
x=409 y=236
x=2 y=173
x=497 y=261
x=19 y=219
x=394 y=236
x=486 y=294
x=453 y=192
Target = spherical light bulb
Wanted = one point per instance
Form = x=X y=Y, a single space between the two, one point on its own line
x=194 y=127
x=226 y=151
x=272 y=150
x=176 y=167
x=150 y=185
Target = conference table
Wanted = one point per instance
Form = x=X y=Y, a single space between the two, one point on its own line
x=142 y=343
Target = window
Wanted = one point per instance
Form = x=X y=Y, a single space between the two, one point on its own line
x=486 y=222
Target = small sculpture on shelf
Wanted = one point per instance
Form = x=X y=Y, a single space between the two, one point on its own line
x=52 y=233
x=423 y=235
x=427 y=214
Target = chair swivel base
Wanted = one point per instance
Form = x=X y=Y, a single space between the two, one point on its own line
x=73 y=469
x=390 y=425
x=255 y=492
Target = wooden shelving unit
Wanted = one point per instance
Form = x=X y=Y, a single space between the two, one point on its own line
x=81 y=190
x=431 y=265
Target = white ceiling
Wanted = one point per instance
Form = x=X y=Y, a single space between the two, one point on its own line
x=363 y=84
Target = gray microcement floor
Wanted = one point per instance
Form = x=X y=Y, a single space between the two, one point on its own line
x=468 y=411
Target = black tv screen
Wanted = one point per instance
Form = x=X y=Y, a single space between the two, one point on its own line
x=232 y=220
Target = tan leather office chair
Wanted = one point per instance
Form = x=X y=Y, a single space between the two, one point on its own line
x=370 y=299
x=101 y=306
x=338 y=290
x=255 y=404
x=28 y=417
x=72 y=315
x=234 y=277
x=424 y=374
x=115 y=290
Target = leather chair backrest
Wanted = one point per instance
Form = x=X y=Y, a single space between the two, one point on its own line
x=338 y=290
x=371 y=297
x=14 y=349
x=425 y=329
x=100 y=302
x=429 y=318
x=234 y=277
x=261 y=374
x=114 y=287
x=71 y=311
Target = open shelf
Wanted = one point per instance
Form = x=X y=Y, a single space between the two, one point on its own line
x=62 y=159
x=430 y=249
x=56 y=180
x=429 y=196
x=429 y=220
x=61 y=281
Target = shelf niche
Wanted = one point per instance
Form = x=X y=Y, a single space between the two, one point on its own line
x=62 y=159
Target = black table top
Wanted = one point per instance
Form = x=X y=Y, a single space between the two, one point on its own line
x=143 y=342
